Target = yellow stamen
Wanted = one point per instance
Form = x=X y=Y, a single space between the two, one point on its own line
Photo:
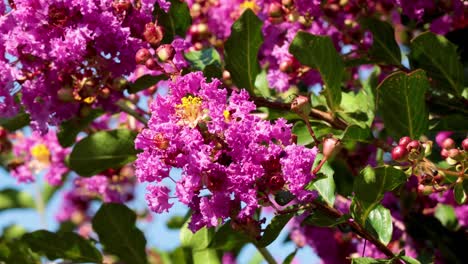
x=227 y=115
x=190 y=110
x=41 y=153
x=250 y=4
x=89 y=100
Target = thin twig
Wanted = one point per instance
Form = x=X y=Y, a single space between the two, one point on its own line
x=266 y=255
x=124 y=107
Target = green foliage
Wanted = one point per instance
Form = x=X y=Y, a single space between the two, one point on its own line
x=14 y=123
x=370 y=187
x=324 y=184
x=228 y=239
x=103 y=150
x=370 y=261
x=379 y=222
x=175 y=22
x=273 y=229
x=201 y=58
x=401 y=101
x=11 y=198
x=284 y=197
x=320 y=53
x=175 y=222
x=355 y=133
x=241 y=50
x=206 y=256
x=145 y=82
x=384 y=47
x=439 y=58
x=459 y=191
x=70 y=128
x=68 y=245
x=115 y=226
x=290 y=257
x=321 y=219
x=17 y=251
x=196 y=241
x=446 y=215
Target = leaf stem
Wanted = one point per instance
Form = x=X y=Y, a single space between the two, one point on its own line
x=127 y=109
x=266 y=255
x=40 y=206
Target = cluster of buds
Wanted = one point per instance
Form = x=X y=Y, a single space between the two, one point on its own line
x=451 y=153
x=411 y=150
x=163 y=54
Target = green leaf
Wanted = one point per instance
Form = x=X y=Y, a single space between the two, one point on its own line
x=446 y=215
x=290 y=257
x=181 y=255
x=11 y=198
x=321 y=219
x=356 y=133
x=439 y=58
x=358 y=108
x=370 y=187
x=370 y=261
x=115 y=226
x=273 y=229
x=206 y=256
x=68 y=245
x=284 y=197
x=201 y=58
x=175 y=22
x=380 y=223
x=16 y=122
x=145 y=82
x=228 y=239
x=384 y=47
x=401 y=102
x=176 y=222
x=325 y=185
x=13 y=231
x=320 y=129
x=212 y=71
x=320 y=53
x=261 y=84
x=409 y=260
x=198 y=241
x=17 y=251
x=70 y=128
x=459 y=193
x=241 y=50
x=103 y=150
x=456 y=123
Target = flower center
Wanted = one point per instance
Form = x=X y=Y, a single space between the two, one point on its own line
x=190 y=111
x=41 y=153
x=250 y=4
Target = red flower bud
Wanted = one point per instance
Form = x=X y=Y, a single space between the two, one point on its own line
x=153 y=34
x=275 y=10
x=165 y=52
x=413 y=145
x=454 y=153
x=286 y=66
x=329 y=146
x=152 y=64
x=465 y=144
x=142 y=56
x=404 y=141
x=301 y=106
x=448 y=143
x=399 y=153
x=444 y=153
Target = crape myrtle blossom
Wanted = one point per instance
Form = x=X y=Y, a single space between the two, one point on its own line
x=231 y=159
x=36 y=154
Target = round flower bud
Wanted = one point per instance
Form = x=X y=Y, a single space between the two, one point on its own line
x=301 y=106
x=399 y=153
x=404 y=141
x=3 y=132
x=142 y=56
x=275 y=10
x=287 y=3
x=152 y=64
x=413 y=145
x=465 y=144
x=165 y=52
x=448 y=143
x=329 y=146
x=153 y=34
x=286 y=66
x=444 y=153
x=121 y=5
x=454 y=154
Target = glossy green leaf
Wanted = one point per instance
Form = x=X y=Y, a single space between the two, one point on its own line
x=16 y=122
x=201 y=58
x=409 y=260
x=356 y=133
x=370 y=187
x=115 y=226
x=446 y=215
x=175 y=222
x=17 y=251
x=290 y=257
x=70 y=128
x=325 y=185
x=273 y=229
x=384 y=47
x=320 y=53
x=440 y=59
x=175 y=22
x=206 y=256
x=380 y=223
x=13 y=231
x=241 y=50
x=103 y=150
x=321 y=219
x=68 y=245
x=284 y=197
x=459 y=193
x=370 y=261
x=227 y=238
x=197 y=241
x=144 y=82
x=11 y=198
x=358 y=108
x=401 y=101
x=320 y=129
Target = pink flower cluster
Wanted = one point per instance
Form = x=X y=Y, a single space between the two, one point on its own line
x=231 y=159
